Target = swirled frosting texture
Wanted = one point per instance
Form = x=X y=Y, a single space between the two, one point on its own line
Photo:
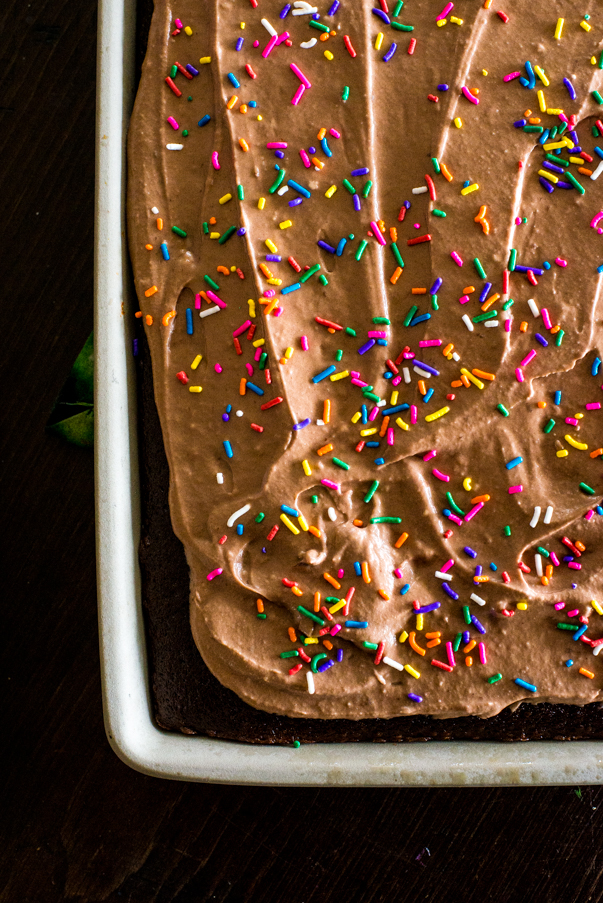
x=396 y=120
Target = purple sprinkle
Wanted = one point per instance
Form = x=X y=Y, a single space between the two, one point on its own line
x=570 y=88
x=466 y=636
x=191 y=69
x=414 y=697
x=443 y=87
x=360 y=172
x=390 y=52
x=326 y=247
x=470 y=552
x=484 y=292
x=239 y=44
x=426 y=608
x=356 y=202
x=520 y=268
x=426 y=367
x=225 y=418
x=311 y=150
x=383 y=16
x=285 y=11
x=574 y=136
x=366 y=347
x=478 y=626
x=302 y=424
x=241 y=231
x=316 y=17
x=450 y=592
x=279 y=153
x=519 y=123
x=135 y=347
x=436 y=286
x=561 y=183
x=541 y=339
x=407 y=205
x=339 y=651
x=552 y=168
x=274 y=258
x=296 y=202
x=324 y=666
x=333 y=9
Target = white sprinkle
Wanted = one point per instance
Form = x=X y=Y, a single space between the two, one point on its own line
x=332 y=513
x=538 y=563
x=421 y=372
x=597 y=649
x=155 y=210
x=443 y=576
x=283 y=190
x=406 y=374
x=310 y=679
x=535 y=516
x=594 y=178
x=210 y=310
x=174 y=146
x=220 y=478
x=239 y=413
x=548 y=515
x=271 y=31
x=533 y=307
x=491 y=323
x=237 y=514
x=307 y=44
x=467 y=322
x=304 y=9
x=389 y=661
x=455 y=356
x=422 y=190
x=381 y=403
x=477 y=599
x=320 y=423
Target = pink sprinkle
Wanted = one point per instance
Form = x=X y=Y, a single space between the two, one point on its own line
x=335 y=630
x=277 y=311
x=197 y=301
x=519 y=375
x=508 y=324
x=471 y=97
x=559 y=606
x=241 y=329
x=560 y=261
x=305 y=159
x=463 y=299
x=215 y=573
x=396 y=380
x=330 y=485
x=218 y=368
x=445 y=11
x=218 y=301
x=390 y=437
x=398 y=573
x=482 y=653
x=300 y=75
x=178 y=23
x=413 y=414
x=374 y=413
x=334 y=133
x=214 y=160
x=258 y=353
x=276 y=145
x=430 y=454
x=173 y=123
x=430 y=343
x=574 y=566
x=358 y=382
x=269 y=293
x=269 y=46
x=593 y=406
x=573 y=612
x=450 y=654
x=340 y=573
x=446 y=567
x=456 y=258
x=408 y=356
x=283 y=37
x=471 y=514
x=249 y=369
x=596 y=219
x=514 y=489
x=546 y=318
x=563 y=118
x=377 y=233
x=256 y=43
x=441 y=476
x=298 y=95
x=355 y=374
x=589 y=515
x=511 y=76
x=572 y=421
x=529 y=357
x=376 y=334
x=304 y=343
x=455 y=519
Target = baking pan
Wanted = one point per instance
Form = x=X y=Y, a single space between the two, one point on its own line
x=126 y=692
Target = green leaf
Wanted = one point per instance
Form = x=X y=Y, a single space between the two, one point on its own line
x=72 y=416
x=83 y=372
x=79 y=429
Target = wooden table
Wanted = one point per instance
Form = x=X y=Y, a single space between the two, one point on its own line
x=78 y=824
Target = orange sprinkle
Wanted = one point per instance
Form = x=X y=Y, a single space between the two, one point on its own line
x=434 y=635
x=549 y=571
x=468 y=661
x=365 y=572
x=542 y=404
x=523 y=326
x=381 y=224
x=325 y=449
x=384 y=424
x=168 y=316
x=555 y=330
x=212 y=221
x=465 y=381
x=315 y=532
x=321 y=134
x=148 y=320
x=470 y=645
x=401 y=540
x=422 y=387
x=490 y=301
x=481 y=579
x=596 y=453
x=480 y=498
x=456 y=384
x=483 y=374
x=544 y=581
x=433 y=643
x=149 y=247
x=534 y=120
x=232 y=102
x=292 y=634
x=357 y=523
x=383 y=594
x=159 y=223
x=266 y=271
x=580 y=546
x=585 y=171
x=326 y=411
x=331 y=580
x=395 y=275
x=324 y=36
x=468 y=289
x=418 y=291
x=448 y=349
x=297 y=591
x=243 y=108
x=260 y=606
x=242 y=386
x=445 y=172
x=327 y=644
x=318 y=163
x=413 y=643
x=225 y=270
x=151 y=291
x=393 y=233
x=587 y=673
x=316 y=601
x=138 y=315
x=243 y=145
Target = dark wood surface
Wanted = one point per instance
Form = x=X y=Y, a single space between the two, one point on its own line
x=77 y=824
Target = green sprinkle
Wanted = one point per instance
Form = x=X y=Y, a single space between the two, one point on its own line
x=489 y=315
x=367 y=189
x=350 y=331
x=562 y=626
x=601 y=61
x=372 y=396
x=597 y=96
x=260 y=517
x=410 y=315
x=440 y=213
x=549 y=426
x=261 y=615
x=386 y=520
x=177 y=231
x=480 y=270
x=436 y=164
x=559 y=337
x=508 y=304
x=557 y=161
x=314 y=499
x=361 y=249
x=454 y=505
x=512 y=260
x=206 y=228
x=347 y=184
x=341 y=463
x=292 y=653
x=507 y=530
x=434 y=302
x=538 y=129
x=338 y=355
x=240 y=192
x=372 y=491
x=586 y=489
x=396 y=253
x=381 y=321
x=296 y=744
x=345 y=94
x=543 y=551
x=263 y=360
x=595 y=131
x=331 y=598
x=466 y=614
x=323 y=279
x=368 y=645
x=211 y=282
x=311 y=615
x=228 y=234
x=562 y=129
x=457 y=642
x=400 y=27
x=495 y=678
x=185 y=133
x=398 y=8
x=579 y=188
x=319 y=26
x=277 y=182
x=310 y=272
x=502 y=409
x=173 y=71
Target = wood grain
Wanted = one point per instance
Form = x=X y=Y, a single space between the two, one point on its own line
x=76 y=824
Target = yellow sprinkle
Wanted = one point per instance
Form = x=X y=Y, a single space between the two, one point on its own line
x=335 y=376
x=214 y=234
x=476 y=382
x=303 y=523
x=286 y=224
x=271 y=246
x=204 y=60
x=559 y=28
x=554 y=111
x=291 y=526
x=233 y=269
x=188 y=30
x=470 y=188
x=307 y=468
x=562 y=453
x=261 y=203
x=541 y=101
x=258 y=342
x=243 y=145
x=259 y=118
x=522 y=606
x=484 y=71
x=310 y=640
x=196 y=362
x=441 y=22
x=467 y=485
x=412 y=671
x=242 y=25
x=419 y=622
x=585 y=25
x=403 y=637
x=593 y=60
x=401 y=424
x=456 y=20
x=394 y=398
x=330 y=191
x=274 y=281
x=225 y=199
x=554 y=145
x=577 y=160
x=356 y=417
x=549 y=175
x=338 y=606
x=251 y=305
x=289 y=353
x=328 y=54
x=437 y=414
x=597 y=607
x=379 y=41
x=368 y=432
x=195 y=389
x=582 y=446
x=541 y=75
x=458 y=122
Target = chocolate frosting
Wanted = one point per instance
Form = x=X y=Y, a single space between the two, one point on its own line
x=391 y=125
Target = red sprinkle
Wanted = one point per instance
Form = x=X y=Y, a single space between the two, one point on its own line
x=502 y=16
x=294 y=264
x=327 y=323
x=379 y=653
x=419 y=240
x=182 y=377
x=182 y=70
x=441 y=665
x=433 y=98
x=250 y=71
x=173 y=87
x=348 y=45
x=271 y=404
x=272 y=533
x=237 y=345
x=257 y=428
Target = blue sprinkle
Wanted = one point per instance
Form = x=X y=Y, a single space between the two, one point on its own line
x=340 y=246
x=234 y=81
x=599 y=509
x=600 y=268
x=595 y=367
x=357 y=624
x=164 y=250
x=546 y=265
x=557 y=398
x=379 y=461
x=513 y=463
x=428 y=395
x=525 y=685
x=240 y=529
x=405 y=589
x=189 y=321
x=228 y=448
x=364 y=412
x=290 y=288
x=420 y=319
x=204 y=120
x=239 y=44
x=299 y=188
x=252 y=103
x=470 y=552
x=570 y=88
x=523 y=81
x=598 y=152
x=324 y=373
x=531 y=76
x=396 y=409
x=390 y=52
x=580 y=632
x=228 y=408
x=569 y=663
x=466 y=183
x=492 y=566
x=325 y=146
x=358 y=568
x=373 y=444
x=544 y=137
x=382 y=342
x=287 y=510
